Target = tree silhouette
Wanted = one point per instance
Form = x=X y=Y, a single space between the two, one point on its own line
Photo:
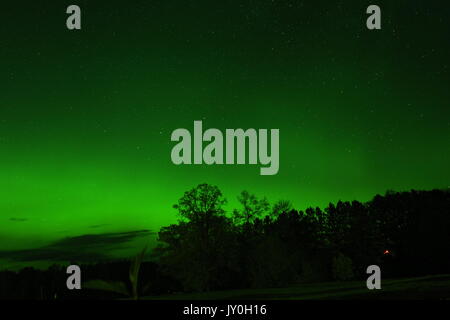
x=252 y=208
x=201 y=203
x=195 y=248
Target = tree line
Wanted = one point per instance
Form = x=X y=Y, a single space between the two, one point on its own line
x=263 y=245
x=267 y=245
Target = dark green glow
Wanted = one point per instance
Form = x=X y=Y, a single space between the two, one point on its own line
x=86 y=117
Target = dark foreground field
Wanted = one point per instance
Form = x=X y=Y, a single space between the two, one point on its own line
x=431 y=287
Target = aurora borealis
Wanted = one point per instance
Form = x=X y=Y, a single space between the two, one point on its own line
x=86 y=116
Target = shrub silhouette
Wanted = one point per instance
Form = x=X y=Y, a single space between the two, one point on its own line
x=120 y=287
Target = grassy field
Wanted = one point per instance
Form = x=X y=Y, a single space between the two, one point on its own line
x=431 y=287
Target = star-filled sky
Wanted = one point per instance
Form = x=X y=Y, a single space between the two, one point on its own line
x=86 y=116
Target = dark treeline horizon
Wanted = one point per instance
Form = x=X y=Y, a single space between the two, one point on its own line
x=262 y=245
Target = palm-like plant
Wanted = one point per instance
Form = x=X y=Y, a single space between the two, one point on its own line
x=120 y=286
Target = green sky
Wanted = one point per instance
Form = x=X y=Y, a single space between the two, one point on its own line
x=86 y=116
